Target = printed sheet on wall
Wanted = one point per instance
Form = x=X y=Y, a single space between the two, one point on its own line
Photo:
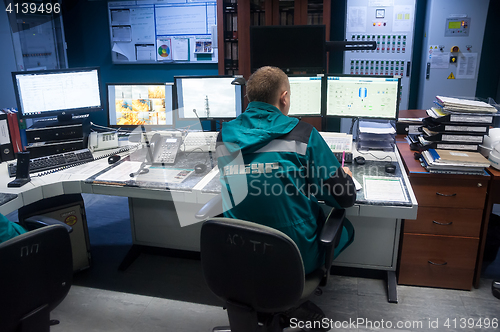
x=156 y=31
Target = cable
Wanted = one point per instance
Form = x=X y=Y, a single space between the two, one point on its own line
x=57 y=169
x=374 y=156
x=110 y=129
x=353 y=121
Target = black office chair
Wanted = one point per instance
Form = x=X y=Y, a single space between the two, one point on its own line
x=257 y=270
x=36 y=270
x=495 y=288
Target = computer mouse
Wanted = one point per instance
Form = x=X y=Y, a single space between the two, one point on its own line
x=390 y=168
x=200 y=168
x=113 y=159
x=360 y=160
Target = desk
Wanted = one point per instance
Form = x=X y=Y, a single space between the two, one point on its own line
x=156 y=212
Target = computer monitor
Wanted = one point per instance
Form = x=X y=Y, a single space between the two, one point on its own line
x=375 y=97
x=305 y=95
x=134 y=104
x=61 y=92
x=293 y=48
x=207 y=97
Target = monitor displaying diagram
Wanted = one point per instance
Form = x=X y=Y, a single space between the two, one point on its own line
x=305 y=95
x=362 y=97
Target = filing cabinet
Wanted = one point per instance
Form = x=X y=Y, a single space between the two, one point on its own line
x=440 y=247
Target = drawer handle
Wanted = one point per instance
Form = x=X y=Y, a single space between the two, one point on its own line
x=442 y=224
x=431 y=262
x=445 y=195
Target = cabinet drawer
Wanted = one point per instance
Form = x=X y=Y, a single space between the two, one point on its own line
x=446 y=221
x=461 y=193
x=438 y=261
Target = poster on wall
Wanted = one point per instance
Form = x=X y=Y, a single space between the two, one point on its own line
x=153 y=31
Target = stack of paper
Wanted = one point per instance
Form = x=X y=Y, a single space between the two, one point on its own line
x=374 y=135
x=450 y=104
x=459 y=124
x=450 y=161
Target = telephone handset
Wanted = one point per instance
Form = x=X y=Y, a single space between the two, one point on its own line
x=164 y=149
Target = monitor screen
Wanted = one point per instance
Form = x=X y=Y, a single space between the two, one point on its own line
x=362 y=97
x=305 y=95
x=289 y=47
x=55 y=92
x=140 y=104
x=209 y=97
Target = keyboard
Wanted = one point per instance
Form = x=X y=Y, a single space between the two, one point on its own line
x=199 y=142
x=347 y=158
x=55 y=161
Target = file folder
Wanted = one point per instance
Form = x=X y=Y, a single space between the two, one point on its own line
x=455 y=127
x=6 y=151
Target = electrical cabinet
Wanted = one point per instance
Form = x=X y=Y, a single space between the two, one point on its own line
x=391 y=25
x=452 y=43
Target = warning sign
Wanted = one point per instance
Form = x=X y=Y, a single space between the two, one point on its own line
x=70 y=220
x=451 y=76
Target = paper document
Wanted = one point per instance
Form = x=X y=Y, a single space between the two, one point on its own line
x=122 y=34
x=370 y=127
x=379 y=188
x=464 y=105
x=86 y=169
x=156 y=174
x=120 y=173
x=145 y=52
x=166 y=174
x=357 y=184
x=116 y=48
x=180 y=49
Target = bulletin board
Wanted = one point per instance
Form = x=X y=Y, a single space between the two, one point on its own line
x=163 y=31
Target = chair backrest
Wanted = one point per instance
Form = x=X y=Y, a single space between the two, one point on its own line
x=36 y=270
x=251 y=264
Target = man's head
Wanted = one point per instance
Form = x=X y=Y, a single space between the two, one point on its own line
x=270 y=85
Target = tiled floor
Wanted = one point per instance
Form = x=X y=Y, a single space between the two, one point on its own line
x=346 y=300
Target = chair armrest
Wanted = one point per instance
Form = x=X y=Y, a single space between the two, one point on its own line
x=330 y=234
x=212 y=208
x=330 y=237
x=35 y=222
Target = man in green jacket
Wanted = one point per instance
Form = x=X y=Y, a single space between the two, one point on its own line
x=9 y=229
x=287 y=165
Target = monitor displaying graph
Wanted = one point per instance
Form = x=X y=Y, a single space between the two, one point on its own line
x=305 y=95
x=362 y=97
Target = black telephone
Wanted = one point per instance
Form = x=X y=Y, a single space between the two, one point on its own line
x=164 y=149
x=22 y=170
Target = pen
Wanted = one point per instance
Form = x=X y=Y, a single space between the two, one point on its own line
x=343 y=157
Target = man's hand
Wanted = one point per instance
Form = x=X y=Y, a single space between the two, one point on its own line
x=347 y=171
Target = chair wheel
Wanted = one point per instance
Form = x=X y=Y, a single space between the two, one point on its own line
x=318 y=291
x=54 y=322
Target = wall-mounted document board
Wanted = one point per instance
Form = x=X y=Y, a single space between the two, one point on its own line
x=157 y=31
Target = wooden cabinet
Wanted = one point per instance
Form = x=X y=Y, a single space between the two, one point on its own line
x=236 y=16
x=440 y=247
